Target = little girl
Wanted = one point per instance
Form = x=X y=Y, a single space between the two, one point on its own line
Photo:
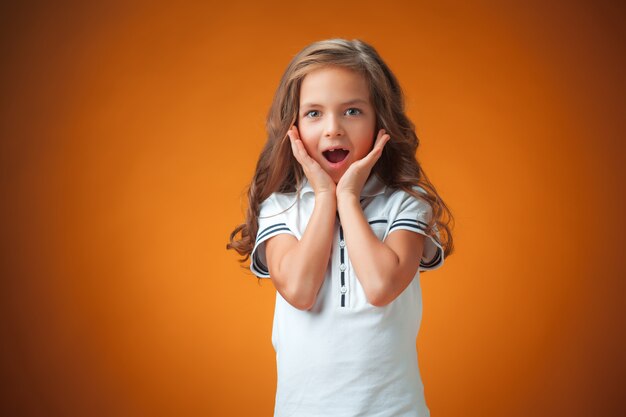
x=343 y=219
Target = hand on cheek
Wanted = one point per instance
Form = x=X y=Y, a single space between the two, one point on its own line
x=352 y=182
x=319 y=179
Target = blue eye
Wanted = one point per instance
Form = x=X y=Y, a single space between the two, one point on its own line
x=310 y=111
x=307 y=114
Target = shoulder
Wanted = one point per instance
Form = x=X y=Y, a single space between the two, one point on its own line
x=402 y=205
x=398 y=196
x=277 y=203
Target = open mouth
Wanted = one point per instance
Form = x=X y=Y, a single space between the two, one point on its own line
x=335 y=155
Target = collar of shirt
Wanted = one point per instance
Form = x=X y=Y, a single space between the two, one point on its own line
x=372 y=187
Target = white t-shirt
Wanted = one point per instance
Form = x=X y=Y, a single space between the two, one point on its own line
x=346 y=357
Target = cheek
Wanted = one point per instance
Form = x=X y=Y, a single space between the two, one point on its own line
x=308 y=136
x=366 y=132
x=367 y=136
x=309 y=143
x=366 y=142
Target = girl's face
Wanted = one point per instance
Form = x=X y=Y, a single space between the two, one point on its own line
x=336 y=114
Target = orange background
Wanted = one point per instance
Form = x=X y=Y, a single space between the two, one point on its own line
x=130 y=131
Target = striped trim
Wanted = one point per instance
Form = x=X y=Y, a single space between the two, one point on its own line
x=420 y=227
x=378 y=221
x=409 y=222
x=434 y=261
x=264 y=234
x=272 y=229
x=258 y=265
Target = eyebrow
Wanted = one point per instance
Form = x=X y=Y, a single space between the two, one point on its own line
x=354 y=101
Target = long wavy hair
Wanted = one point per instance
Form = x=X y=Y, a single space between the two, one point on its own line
x=277 y=170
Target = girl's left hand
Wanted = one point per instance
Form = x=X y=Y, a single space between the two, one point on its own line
x=353 y=180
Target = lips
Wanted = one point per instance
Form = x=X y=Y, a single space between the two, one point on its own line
x=335 y=155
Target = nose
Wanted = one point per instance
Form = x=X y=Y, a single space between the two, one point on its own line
x=333 y=126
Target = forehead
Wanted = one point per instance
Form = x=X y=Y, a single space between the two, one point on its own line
x=333 y=84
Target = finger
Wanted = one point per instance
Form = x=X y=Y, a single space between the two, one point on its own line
x=382 y=140
x=294 y=147
x=383 y=137
x=304 y=155
x=299 y=144
x=377 y=151
x=295 y=130
x=300 y=151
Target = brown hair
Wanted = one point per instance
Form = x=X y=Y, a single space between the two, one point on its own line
x=277 y=170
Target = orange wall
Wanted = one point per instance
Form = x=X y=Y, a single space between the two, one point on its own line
x=129 y=134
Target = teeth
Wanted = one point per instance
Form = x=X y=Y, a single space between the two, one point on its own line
x=330 y=154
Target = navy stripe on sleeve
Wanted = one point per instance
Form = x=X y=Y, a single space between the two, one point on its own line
x=274 y=229
x=419 y=226
x=434 y=261
x=412 y=222
x=258 y=265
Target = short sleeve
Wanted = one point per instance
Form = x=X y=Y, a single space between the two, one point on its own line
x=414 y=215
x=272 y=221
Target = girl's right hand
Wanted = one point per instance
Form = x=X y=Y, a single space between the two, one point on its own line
x=319 y=179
